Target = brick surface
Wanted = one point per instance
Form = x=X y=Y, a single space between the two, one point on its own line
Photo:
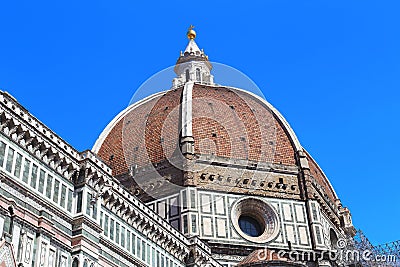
x=234 y=124
x=321 y=179
x=145 y=135
x=226 y=123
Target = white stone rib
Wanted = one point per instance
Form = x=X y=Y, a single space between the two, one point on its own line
x=186 y=106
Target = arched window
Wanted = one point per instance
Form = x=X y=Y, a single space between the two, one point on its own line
x=187 y=75
x=334 y=239
x=75 y=263
x=198 y=75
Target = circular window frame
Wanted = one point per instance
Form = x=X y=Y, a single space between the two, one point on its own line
x=259 y=210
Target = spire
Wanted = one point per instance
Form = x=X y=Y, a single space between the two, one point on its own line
x=192 y=48
x=192 y=64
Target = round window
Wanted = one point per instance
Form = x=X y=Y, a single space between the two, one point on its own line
x=250 y=226
x=255 y=220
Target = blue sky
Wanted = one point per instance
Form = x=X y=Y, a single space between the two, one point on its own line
x=331 y=67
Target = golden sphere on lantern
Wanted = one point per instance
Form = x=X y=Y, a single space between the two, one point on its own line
x=191 y=34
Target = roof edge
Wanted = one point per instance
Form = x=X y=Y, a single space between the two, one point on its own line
x=99 y=141
x=323 y=174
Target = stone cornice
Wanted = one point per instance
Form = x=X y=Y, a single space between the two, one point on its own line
x=202 y=252
x=109 y=248
x=327 y=205
x=41 y=142
x=142 y=218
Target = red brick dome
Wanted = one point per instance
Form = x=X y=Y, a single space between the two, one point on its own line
x=226 y=123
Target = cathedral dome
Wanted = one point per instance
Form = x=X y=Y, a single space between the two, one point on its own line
x=226 y=122
x=205 y=122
